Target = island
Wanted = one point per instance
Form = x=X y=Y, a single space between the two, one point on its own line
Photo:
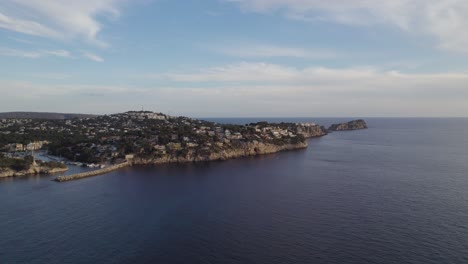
x=143 y=137
x=351 y=125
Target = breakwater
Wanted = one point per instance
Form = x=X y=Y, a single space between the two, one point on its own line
x=91 y=173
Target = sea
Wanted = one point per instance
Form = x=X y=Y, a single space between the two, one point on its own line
x=394 y=193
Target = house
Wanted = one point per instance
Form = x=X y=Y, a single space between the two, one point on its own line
x=160 y=149
x=19 y=147
x=174 y=146
x=192 y=145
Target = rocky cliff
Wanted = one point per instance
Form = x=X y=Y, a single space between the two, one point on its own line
x=351 y=125
x=313 y=131
x=248 y=149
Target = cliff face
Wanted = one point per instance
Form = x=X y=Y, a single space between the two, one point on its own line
x=34 y=170
x=314 y=131
x=351 y=125
x=248 y=149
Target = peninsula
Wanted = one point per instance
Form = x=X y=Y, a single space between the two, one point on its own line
x=143 y=137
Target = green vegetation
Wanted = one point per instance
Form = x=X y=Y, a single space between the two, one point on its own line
x=53 y=165
x=16 y=164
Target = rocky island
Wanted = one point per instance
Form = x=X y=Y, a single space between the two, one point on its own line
x=143 y=137
x=351 y=125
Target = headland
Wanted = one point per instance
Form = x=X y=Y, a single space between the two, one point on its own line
x=143 y=137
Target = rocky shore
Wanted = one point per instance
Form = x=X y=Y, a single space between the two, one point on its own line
x=190 y=140
x=351 y=125
x=314 y=131
x=34 y=170
x=253 y=148
x=248 y=149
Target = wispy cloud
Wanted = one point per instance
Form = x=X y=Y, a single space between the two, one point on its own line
x=92 y=56
x=58 y=19
x=262 y=89
x=58 y=53
x=265 y=73
x=270 y=51
x=355 y=78
x=26 y=26
x=34 y=54
x=445 y=20
x=299 y=92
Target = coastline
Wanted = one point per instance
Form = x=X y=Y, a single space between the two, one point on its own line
x=249 y=149
x=220 y=151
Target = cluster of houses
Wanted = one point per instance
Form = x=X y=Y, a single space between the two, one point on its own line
x=18 y=147
x=105 y=136
x=142 y=115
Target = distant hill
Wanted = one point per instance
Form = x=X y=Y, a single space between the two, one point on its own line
x=42 y=115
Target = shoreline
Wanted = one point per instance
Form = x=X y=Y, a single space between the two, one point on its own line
x=32 y=171
x=249 y=150
x=191 y=154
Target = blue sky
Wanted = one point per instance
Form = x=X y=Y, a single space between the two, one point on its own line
x=236 y=57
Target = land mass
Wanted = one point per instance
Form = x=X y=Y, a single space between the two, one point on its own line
x=142 y=137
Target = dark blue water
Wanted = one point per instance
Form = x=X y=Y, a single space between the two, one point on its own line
x=395 y=193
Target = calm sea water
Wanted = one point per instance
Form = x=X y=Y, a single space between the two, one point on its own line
x=395 y=193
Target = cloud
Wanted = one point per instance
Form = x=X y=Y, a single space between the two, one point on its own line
x=231 y=73
x=26 y=26
x=265 y=73
x=58 y=53
x=337 y=92
x=261 y=89
x=255 y=89
x=92 y=56
x=58 y=19
x=34 y=54
x=270 y=51
x=445 y=20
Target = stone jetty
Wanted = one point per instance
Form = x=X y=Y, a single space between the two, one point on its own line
x=91 y=173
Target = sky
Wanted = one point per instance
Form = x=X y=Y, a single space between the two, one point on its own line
x=236 y=58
